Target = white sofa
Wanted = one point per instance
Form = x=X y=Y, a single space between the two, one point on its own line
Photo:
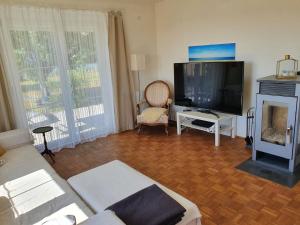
x=31 y=192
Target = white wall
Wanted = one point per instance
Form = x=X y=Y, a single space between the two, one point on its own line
x=264 y=31
x=139 y=21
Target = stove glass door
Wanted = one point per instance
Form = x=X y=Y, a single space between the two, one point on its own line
x=274 y=122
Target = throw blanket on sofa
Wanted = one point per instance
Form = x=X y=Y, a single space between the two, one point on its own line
x=150 y=206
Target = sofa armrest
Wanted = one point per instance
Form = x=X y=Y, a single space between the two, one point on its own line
x=15 y=138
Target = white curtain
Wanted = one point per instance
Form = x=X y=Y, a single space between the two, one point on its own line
x=58 y=68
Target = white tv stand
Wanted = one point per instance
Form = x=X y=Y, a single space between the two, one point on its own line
x=184 y=119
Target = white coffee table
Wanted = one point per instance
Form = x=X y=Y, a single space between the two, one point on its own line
x=184 y=119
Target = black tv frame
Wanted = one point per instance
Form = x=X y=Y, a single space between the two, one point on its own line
x=217 y=110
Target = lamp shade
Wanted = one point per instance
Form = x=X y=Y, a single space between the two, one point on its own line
x=138 y=62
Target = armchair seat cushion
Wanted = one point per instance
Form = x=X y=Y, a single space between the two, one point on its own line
x=153 y=115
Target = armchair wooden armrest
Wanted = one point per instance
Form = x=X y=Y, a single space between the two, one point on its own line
x=169 y=102
x=139 y=105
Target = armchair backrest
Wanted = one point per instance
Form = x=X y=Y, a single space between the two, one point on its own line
x=157 y=93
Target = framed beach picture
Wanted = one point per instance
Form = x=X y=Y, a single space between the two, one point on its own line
x=212 y=52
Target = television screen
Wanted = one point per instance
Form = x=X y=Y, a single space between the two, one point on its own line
x=210 y=85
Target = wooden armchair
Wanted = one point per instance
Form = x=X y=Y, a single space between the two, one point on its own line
x=157 y=99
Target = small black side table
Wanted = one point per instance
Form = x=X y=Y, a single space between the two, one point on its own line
x=44 y=130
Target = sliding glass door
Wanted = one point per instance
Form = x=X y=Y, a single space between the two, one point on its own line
x=40 y=82
x=60 y=76
x=85 y=81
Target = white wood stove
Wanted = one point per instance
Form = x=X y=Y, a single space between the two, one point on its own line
x=276 y=139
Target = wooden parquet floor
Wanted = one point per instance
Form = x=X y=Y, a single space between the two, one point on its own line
x=190 y=165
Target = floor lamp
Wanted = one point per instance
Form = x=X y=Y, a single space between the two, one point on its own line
x=138 y=64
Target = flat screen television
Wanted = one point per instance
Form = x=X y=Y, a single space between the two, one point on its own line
x=210 y=85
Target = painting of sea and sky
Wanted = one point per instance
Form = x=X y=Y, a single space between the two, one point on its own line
x=212 y=52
